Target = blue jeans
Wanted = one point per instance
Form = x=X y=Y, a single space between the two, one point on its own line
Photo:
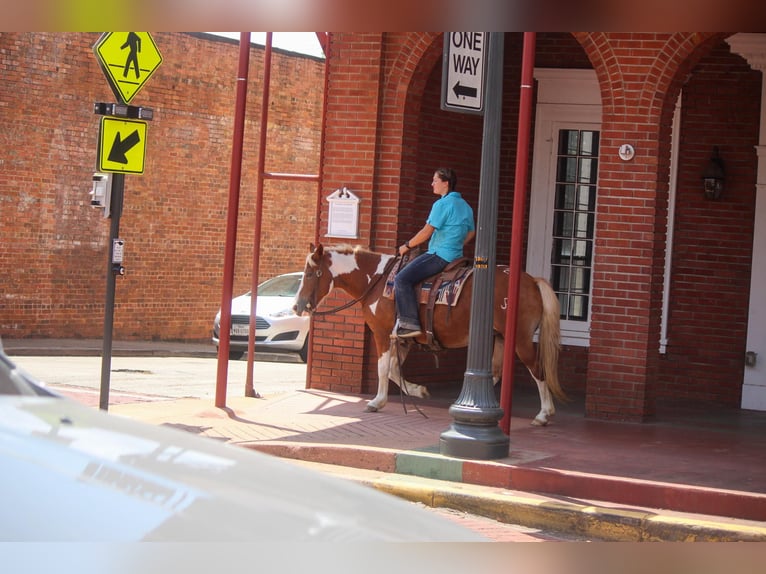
x=423 y=266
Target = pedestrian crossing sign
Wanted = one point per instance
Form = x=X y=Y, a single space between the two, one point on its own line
x=128 y=59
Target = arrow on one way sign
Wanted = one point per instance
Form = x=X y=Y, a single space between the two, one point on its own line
x=464 y=91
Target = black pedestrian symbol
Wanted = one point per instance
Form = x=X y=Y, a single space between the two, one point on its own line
x=133 y=43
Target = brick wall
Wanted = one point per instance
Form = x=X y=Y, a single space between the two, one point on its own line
x=713 y=239
x=53 y=244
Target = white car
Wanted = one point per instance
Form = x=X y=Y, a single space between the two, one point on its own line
x=73 y=473
x=276 y=326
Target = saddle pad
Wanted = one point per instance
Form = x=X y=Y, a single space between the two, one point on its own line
x=448 y=292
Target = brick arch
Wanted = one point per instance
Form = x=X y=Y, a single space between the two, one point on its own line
x=415 y=54
x=678 y=55
x=407 y=67
x=607 y=67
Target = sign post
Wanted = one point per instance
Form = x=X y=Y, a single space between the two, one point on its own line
x=474 y=432
x=128 y=59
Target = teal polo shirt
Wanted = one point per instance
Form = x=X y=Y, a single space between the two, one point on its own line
x=452 y=219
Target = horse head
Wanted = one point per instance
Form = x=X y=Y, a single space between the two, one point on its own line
x=315 y=283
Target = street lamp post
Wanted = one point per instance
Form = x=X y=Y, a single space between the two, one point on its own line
x=474 y=432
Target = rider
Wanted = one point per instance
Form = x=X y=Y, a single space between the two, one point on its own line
x=449 y=227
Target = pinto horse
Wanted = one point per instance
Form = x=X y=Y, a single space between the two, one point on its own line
x=362 y=274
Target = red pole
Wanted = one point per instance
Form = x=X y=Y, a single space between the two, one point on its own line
x=249 y=390
x=324 y=40
x=517 y=230
x=231 y=221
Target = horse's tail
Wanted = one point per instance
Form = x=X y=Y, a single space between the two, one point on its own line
x=550 y=338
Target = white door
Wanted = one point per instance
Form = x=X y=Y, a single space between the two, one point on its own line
x=753 y=48
x=562 y=206
x=754 y=383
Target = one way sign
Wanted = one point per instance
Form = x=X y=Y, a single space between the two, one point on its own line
x=121 y=145
x=463 y=71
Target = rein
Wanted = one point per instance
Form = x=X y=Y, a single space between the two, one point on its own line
x=367 y=291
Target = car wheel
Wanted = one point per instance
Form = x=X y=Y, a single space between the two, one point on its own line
x=236 y=355
x=304 y=352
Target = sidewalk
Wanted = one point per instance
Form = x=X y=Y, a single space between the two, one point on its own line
x=690 y=475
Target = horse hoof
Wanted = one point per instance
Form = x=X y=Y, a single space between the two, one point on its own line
x=371 y=409
x=539 y=423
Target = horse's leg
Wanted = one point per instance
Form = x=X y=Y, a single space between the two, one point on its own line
x=526 y=351
x=380 y=400
x=410 y=388
x=547 y=410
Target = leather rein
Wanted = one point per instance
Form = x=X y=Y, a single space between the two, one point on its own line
x=367 y=291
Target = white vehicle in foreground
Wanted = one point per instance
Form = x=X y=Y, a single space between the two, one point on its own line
x=75 y=473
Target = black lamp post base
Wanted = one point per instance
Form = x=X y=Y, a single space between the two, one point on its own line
x=477 y=442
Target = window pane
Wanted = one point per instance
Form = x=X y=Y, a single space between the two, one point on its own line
x=578 y=307
x=586 y=198
x=567 y=169
x=589 y=143
x=563 y=224
x=581 y=252
x=568 y=142
x=587 y=170
x=583 y=225
x=565 y=196
x=560 y=278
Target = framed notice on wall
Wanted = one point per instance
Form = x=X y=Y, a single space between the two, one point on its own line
x=344 y=214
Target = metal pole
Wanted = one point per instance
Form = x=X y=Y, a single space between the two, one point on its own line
x=231 y=223
x=249 y=389
x=474 y=432
x=517 y=225
x=115 y=210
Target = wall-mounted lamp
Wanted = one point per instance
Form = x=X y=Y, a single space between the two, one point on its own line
x=714 y=176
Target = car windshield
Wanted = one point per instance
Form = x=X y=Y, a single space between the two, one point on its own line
x=281 y=286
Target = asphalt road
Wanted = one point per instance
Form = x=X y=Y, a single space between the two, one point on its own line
x=160 y=377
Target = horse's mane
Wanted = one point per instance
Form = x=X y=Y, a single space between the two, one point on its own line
x=343 y=249
x=347 y=249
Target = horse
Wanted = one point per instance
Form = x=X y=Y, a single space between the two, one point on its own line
x=362 y=274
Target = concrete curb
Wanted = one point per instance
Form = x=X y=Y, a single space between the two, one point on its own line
x=619 y=490
x=599 y=522
x=440 y=482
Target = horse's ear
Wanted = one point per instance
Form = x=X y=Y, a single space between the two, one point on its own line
x=319 y=251
x=311 y=247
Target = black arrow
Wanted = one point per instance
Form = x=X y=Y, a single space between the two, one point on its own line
x=464 y=90
x=121 y=147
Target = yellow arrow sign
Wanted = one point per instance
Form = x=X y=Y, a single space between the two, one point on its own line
x=128 y=59
x=121 y=145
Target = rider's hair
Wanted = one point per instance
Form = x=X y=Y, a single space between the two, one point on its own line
x=449 y=175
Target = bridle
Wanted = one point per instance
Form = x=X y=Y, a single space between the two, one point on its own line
x=367 y=291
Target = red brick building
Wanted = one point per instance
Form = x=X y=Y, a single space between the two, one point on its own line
x=53 y=245
x=659 y=284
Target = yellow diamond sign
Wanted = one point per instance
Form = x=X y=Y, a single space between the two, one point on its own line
x=128 y=59
x=121 y=145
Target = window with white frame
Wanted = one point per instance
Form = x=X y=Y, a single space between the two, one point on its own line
x=564 y=190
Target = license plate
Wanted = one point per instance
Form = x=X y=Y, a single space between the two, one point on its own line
x=240 y=330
